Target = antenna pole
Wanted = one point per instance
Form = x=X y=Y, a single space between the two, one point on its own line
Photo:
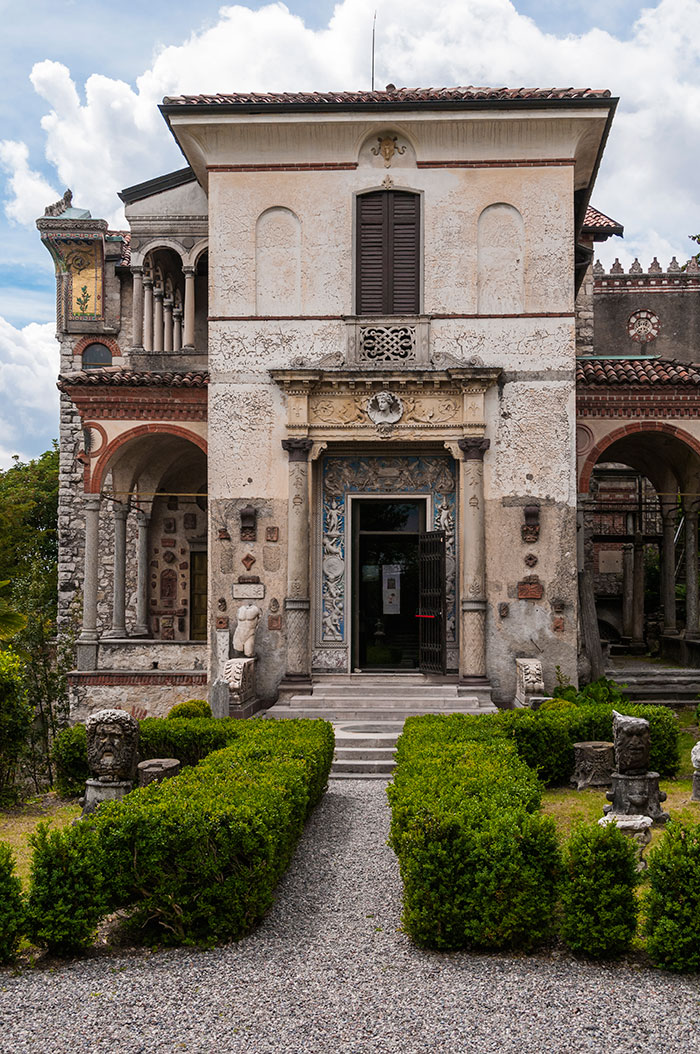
x=374 y=26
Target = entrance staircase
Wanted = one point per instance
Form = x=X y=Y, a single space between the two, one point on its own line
x=656 y=685
x=368 y=712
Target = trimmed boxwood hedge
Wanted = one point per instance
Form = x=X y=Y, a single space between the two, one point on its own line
x=195 y=858
x=672 y=903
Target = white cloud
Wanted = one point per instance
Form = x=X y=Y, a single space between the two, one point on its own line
x=30 y=191
x=29 y=360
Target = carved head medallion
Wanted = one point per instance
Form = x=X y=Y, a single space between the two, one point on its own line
x=384 y=408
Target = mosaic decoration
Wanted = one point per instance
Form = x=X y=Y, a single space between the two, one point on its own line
x=84 y=266
x=643 y=326
x=381 y=475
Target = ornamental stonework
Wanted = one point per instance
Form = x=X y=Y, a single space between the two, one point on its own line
x=643 y=326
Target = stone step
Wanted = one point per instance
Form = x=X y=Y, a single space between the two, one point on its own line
x=359 y=776
x=376 y=691
x=362 y=768
x=364 y=753
x=358 y=713
x=311 y=702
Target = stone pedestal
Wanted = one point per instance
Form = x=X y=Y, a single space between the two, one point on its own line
x=695 y=796
x=239 y=675
x=157 y=769
x=594 y=761
x=635 y=795
x=695 y=758
x=634 y=826
x=96 y=792
x=529 y=690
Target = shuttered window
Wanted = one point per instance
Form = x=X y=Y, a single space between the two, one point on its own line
x=388 y=257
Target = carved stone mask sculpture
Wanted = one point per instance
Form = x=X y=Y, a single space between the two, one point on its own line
x=112 y=745
x=632 y=743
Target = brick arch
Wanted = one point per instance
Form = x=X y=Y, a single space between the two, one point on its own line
x=631 y=429
x=165 y=428
x=97 y=338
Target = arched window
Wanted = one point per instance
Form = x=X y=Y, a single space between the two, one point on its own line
x=388 y=253
x=96 y=355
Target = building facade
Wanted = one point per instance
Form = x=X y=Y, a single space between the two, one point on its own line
x=330 y=371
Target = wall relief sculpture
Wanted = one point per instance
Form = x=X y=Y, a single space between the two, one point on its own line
x=434 y=476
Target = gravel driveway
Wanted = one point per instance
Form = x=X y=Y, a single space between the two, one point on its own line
x=329 y=971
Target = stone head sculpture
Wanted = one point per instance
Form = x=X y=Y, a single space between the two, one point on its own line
x=112 y=745
x=632 y=743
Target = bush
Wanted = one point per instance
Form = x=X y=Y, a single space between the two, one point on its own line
x=600 y=692
x=195 y=858
x=189 y=739
x=190 y=708
x=15 y=721
x=556 y=704
x=11 y=906
x=598 y=900
x=672 y=904
x=479 y=866
x=69 y=756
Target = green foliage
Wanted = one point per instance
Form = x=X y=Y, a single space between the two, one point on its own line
x=69 y=757
x=11 y=622
x=29 y=515
x=190 y=708
x=556 y=704
x=672 y=904
x=15 y=720
x=478 y=864
x=188 y=739
x=195 y=858
x=11 y=906
x=597 y=693
x=67 y=895
x=597 y=896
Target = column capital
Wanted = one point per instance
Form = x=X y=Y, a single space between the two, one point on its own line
x=147 y=279
x=142 y=518
x=137 y=269
x=188 y=271
x=158 y=292
x=474 y=447
x=92 y=502
x=119 y=510
x=298 y=448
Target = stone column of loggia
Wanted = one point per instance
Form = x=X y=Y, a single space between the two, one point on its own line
x=638 y=590
x=188 y=335
x=147 y=313
x=137 y=308
x=168 y=323
x=627 y=590
x=141 y=628
x=691 y=573
x=118 y=630
x=158 y=318
x=87 y=642
x=297 y=604
x=668 y=571
x=472 y=649
x=177 y=328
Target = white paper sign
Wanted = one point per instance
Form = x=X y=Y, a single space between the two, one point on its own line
x=391 y=589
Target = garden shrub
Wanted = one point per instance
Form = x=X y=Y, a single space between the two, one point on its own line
x=11 y=906
x=556 y=704
x=189 y=739
x=599 y=906
x=15 y=721
x=601 y=692
x=672 y=904
x=195 y=858
x=190 y=708
x=69 y=755
x=479 y=865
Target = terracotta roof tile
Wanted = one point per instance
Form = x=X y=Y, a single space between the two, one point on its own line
x=126 y=245
x=644 y=372
x=116 y=377
x=598 y=221
x=390 y=97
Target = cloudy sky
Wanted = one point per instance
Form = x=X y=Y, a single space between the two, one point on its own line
x=81 y=83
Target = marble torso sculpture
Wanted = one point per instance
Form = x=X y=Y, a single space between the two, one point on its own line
x=244 y=634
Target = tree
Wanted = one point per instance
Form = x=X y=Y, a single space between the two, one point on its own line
x=29 y=515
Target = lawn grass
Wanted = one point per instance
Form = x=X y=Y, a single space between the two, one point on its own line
x=18 y=822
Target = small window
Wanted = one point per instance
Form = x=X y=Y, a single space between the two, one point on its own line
x=388 y=253
x=96 y=355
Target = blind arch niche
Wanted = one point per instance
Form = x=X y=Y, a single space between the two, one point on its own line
x=387 y=278
x=501 y=261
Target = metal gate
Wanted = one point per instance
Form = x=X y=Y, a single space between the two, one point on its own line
x=432 y=649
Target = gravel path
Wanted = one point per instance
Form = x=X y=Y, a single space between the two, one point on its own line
x=329 y=971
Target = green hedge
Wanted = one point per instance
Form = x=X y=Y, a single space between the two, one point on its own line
x=195 y=858
x=479 y=865
x=69 y=756
x=672 y=904
x=190 y=708
x=11 y=906
x=599 y=907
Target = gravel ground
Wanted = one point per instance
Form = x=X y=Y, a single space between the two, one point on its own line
x=330 y=971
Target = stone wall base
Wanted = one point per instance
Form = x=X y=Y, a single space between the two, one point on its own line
x=141 y=694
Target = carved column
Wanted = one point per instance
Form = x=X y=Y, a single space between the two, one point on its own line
x=177 y=327
x=189 y=307
x=158 y=318
x=119 y=513
x=638 y=592
x=87 y=642
x=627 y=590
x=137 y=307
x=691 y=573
x=297 y=604
x=141 y=628
x=147 y=313
x=472 y=650
x=168 y=323
x=668 y=571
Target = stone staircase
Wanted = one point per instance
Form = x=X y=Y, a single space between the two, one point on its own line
x=368 y=712
x=656 y=685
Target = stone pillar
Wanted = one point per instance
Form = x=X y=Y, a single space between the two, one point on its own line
x=137 y=307
x=177 y=328
x=668 y=571
x=87 y=642
x=638 y=592
x=472 y=650
x=168 y=323
x=118 y=630
x=158 y=318
x=691 y=574
x=297 y=603
x=141 y=629
x=147 y=313
x=627 y=590
x=189 y=307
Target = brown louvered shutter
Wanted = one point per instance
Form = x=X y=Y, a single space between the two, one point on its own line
x=388 y=261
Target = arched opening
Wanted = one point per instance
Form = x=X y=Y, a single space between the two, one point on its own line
x=95 y=356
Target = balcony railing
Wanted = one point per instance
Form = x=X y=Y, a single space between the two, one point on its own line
x=388 y=341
